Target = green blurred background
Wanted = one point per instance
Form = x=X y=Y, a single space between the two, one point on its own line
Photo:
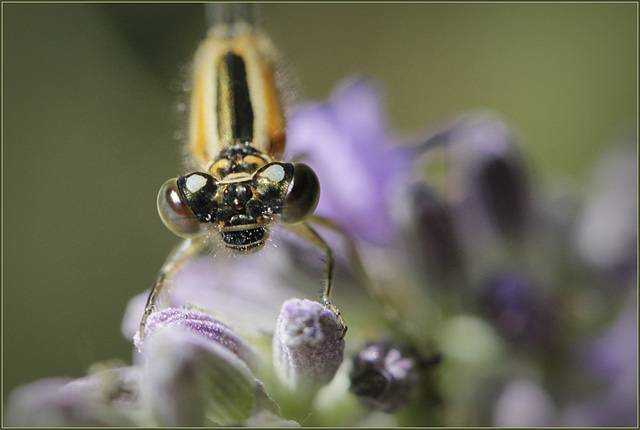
x=88 y=129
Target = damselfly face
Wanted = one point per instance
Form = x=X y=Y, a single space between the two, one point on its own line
x=236 y=134
x=241 y=206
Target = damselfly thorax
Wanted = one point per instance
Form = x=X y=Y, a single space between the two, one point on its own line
x=237 y=136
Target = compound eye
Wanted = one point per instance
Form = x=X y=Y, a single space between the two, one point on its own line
x=303 y=195
x=175 y=213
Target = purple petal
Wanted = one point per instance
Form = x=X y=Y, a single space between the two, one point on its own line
x=204 y=325
x=357 y=104
x=344 y=141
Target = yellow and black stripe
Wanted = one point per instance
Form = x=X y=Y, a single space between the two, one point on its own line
x=234 y=97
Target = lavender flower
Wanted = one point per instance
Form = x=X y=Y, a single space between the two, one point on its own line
x=357 y=162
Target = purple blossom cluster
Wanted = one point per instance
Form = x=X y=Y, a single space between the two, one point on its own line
x=474 y=296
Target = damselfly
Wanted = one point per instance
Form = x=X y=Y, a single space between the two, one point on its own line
x=237 y=136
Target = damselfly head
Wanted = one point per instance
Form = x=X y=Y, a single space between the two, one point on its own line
x=240 y=206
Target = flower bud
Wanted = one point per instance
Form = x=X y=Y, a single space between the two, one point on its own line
x=503 y=187
x=485 y=159
x=307 y=346
x=387 y=376
x=518 y=309
x=441 y=256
